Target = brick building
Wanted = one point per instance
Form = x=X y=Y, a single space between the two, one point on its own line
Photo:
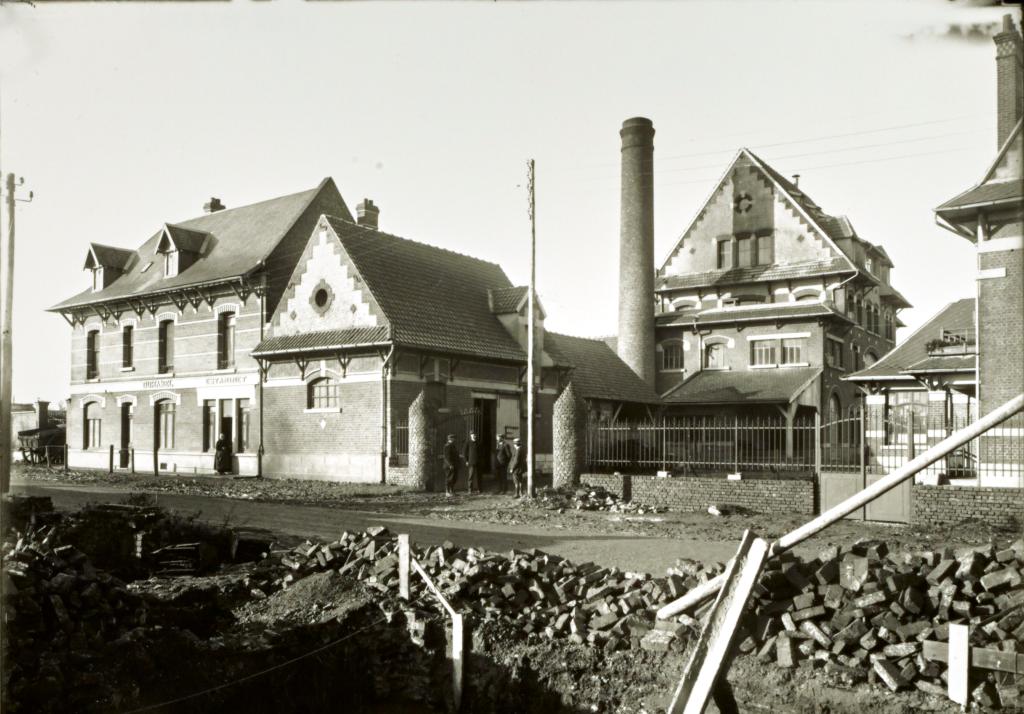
x=319 y=345
x=990 y=214
x=766 y=302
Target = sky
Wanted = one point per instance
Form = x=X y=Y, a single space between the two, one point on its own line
x=124 y=116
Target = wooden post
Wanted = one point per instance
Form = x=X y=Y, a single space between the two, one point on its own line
x=736 y=444
x=458 y=641
x=911 y=447
x=156 y=461
x=132 y=454
x=712 y=653
x=47 y=456
x=817 y=445
x=66 y=451
x=958 y=684
x=110 y=461
x=403 y=566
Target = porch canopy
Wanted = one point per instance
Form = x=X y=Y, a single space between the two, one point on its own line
x=782 y=387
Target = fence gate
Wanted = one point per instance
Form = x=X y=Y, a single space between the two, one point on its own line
x=459 y=423
x=857 y=451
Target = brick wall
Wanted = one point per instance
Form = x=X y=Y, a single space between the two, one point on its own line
x=696 y=494
x=949 y=505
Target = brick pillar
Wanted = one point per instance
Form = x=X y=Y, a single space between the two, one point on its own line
x=421 y=415
x=569 y=427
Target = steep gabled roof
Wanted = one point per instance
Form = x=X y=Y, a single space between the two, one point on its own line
x=239 y=240
x=598 y=372
x=506 y=300
x=911 y=355
x=434 y=299
x=107 y=256
x=832 y=229
x=181 y=238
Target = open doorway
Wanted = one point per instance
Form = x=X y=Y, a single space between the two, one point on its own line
x=487 y=408
x=227 y=427
x=126 y=434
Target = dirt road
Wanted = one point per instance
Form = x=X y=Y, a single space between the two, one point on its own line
x=627 y=552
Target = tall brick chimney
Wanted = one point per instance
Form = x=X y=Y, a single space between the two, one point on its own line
x=1009 y=79
x=367 y=214
x=42 y=414
x=636 y=249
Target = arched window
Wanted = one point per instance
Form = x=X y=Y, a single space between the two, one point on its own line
x=835 y=413
x=91 y=426
x=92 y=354
x=226 y=340
x=870 y=358
x=165 y=352
x=672 y=355
x=323 y=393
x=164 y=423
x=714 y=356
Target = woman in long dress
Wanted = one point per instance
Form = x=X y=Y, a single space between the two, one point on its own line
x=222 y=458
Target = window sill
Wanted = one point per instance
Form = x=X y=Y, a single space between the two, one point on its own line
x=717 y=369
x=672 y=371
x=128 y=369
x=763 y=366
x=92 y=379
x=323 y=410
x=796 y=364
x=227 y=370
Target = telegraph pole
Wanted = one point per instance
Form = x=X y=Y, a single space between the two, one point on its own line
x=530 y=337
x=6 y=320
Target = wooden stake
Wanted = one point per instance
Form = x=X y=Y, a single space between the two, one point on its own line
x=958 y=684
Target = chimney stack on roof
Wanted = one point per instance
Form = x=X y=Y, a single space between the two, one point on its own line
x=1009 y=79
x=796 y=180
x=635 y=344
x=367 y=214
x=42 y=414
x=213 y=205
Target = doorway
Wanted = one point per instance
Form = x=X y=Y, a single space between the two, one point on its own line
x=126 y=434
x=486 y=435
x=227 y=427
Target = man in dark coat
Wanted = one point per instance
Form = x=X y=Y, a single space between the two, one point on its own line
x=517 y=466
x=222 y=455
x=502 y=455
x=471 y=455
x=451 y=464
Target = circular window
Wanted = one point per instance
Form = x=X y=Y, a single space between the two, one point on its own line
x=321 y=297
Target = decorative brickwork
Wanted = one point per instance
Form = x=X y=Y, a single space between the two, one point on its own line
x=696 y=494
x=570 y=433
x=949 y=505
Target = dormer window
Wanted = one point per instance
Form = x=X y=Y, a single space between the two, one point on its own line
x=97 y=279
x=170 y=263
x=107 y=264
x=180 y=247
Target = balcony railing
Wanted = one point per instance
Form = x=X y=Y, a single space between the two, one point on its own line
x=953 y=342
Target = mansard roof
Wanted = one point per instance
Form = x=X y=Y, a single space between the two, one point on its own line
x=237 y=241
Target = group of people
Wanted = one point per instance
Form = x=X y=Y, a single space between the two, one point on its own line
x=509 y=460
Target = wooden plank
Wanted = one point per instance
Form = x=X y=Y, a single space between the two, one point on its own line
x=711 y=654
x=458 y=642
x=403 y=566
x=959 y=668
x=433 y=588
x=980 y=657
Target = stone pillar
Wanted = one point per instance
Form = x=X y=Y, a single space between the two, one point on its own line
x=569 y=431
x=421 y=413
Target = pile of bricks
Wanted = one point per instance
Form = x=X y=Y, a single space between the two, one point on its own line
x=536 y=592
x=60 y=611
x=591 y=498
x=865 y=615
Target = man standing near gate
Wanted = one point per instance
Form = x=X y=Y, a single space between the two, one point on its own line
x=517 y=466
x=471 y=455
x=451 y=464
x=502 y=454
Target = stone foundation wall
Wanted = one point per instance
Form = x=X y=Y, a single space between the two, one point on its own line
x=696 y=494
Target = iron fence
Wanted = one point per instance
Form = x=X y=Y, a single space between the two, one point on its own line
x=695 y=444
x=400 y=442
